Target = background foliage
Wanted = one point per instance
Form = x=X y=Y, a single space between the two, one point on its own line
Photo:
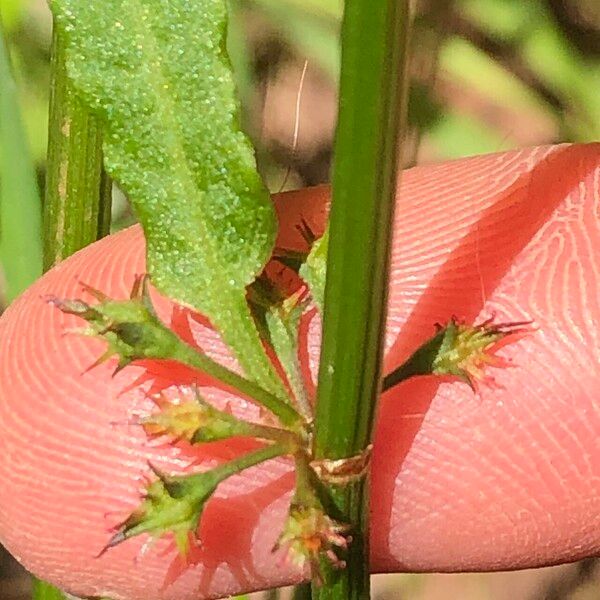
x=488 y=75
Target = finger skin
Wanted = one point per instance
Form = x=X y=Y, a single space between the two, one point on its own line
x=505 y=478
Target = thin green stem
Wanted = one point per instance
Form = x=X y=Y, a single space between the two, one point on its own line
x=283 y=329
x=371 y=122
x=295 y=378
x=77 y=205
x=305 y=493
x=421 y=362
x=187 y=355
x=246 y=461
x=281 y=436
x=254 y=361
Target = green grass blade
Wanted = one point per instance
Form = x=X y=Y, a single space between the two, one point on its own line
x=20 y=219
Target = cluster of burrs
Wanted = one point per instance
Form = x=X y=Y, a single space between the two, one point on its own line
x=174 y=504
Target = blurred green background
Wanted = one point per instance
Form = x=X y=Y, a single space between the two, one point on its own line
x=487 y=75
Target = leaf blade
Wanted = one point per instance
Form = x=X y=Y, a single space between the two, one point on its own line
x=158 y=72
x=133 y=62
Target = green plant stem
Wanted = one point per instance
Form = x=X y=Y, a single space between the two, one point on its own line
x=371 y=122
x=255 y=361
x=251 y=459
x=78 y=192
x=283 y=437
x=20 y=207
x=189 y=356
x=77 y=204
x=421 y=362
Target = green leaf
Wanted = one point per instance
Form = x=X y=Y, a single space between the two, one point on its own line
x=159 y=73
x=20 y=215
x=45 y=591
x=313 y=271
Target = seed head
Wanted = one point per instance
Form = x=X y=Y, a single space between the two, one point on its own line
x=171 y=505
x=309 y=535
